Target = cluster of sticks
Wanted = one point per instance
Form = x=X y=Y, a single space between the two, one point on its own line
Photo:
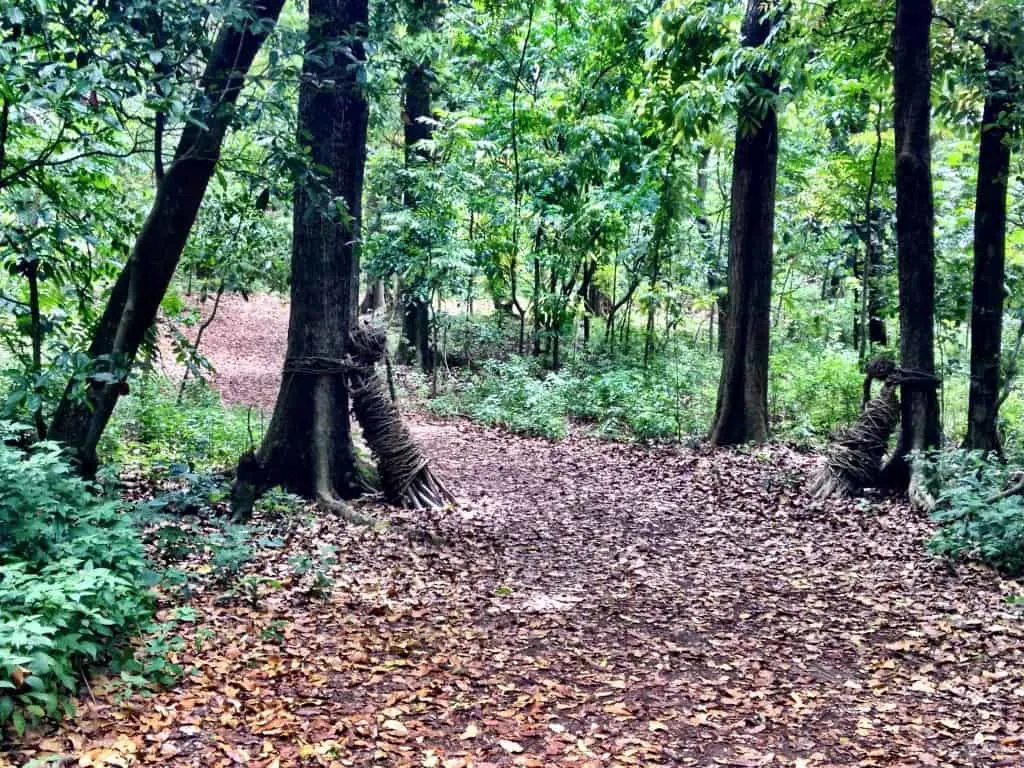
x=404 y=469
x=854 y=459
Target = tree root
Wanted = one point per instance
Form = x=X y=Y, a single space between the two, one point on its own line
x=918 y=493
x=328 y=500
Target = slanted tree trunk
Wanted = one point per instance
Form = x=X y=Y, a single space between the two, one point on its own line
x=989 y=256
x=135 y=298
x=741 y=414
x=308 y=445
x=417 y=116
x=915 y=240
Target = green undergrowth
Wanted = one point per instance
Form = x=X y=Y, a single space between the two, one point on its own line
x=82 y=570
x=813 y=389
x=153 y=427
x=613 y=401
x=74 y=588
x=975 y=520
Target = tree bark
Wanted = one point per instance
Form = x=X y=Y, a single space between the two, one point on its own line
x=308 y=445
x=417 y=116
x=741 y=414
x=989 y=257
x=873 y=322
x=915 y=240
x=135 y=298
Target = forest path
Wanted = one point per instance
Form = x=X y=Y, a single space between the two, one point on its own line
x=588 y=604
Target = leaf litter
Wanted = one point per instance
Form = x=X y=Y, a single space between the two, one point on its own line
x=586 y=604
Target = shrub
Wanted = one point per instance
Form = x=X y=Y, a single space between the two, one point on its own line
x=517 y=395
x=813 y=389
x=970 y=525
x=152 y=426
x=73 y=583
x=671 y=399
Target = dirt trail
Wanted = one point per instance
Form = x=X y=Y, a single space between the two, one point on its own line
x=590 y=604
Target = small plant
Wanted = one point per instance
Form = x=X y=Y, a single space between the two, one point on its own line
x=250 y=589
x=202 y=635
x=313 y=573
x=231 y=551
x=274 y=632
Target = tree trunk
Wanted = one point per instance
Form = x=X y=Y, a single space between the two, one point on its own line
x=538 y=313
x=416 y=118
x=308 y=445
x=873 y=322
x=915 y=239
x=989 y=257
x=742 y=410
x=373 y=300
x=135 y=298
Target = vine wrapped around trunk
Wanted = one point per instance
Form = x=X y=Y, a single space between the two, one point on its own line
x=854 y=460
x=405 y=474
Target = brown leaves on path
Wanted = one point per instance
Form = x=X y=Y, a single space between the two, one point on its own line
x=594 y=604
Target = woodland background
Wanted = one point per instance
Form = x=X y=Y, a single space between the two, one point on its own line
x=541 y=200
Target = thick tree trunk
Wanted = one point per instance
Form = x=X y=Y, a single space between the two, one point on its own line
x=915 y=240
x=417 y=117
x=989 y=258
x=742 y=410
x=308 y=445
x=135 y=298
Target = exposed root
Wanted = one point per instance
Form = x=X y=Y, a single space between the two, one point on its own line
x=917 y=492
x=325 y=492
x=326 y=498
x=1015 y=488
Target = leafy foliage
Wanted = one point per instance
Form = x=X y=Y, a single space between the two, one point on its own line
x=74 y=583
x=194 y=432
x=973 y=522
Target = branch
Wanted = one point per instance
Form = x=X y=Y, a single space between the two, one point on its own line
x=37 y=163
x=979 y=41
x=158 y=148
x=1017 y=487
x=5 y=114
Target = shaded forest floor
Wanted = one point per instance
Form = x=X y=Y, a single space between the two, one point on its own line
x=587 y=604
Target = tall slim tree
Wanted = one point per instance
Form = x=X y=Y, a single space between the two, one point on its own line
x=989 y=250
x=417 y=117
x=741 y=414
x=915 y=238
x=308 y=445
x=135 y=298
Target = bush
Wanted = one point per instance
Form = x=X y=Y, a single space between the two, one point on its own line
x=516 y=394
x=670 y=400
x=73 y=583
x=813 y=388
x=970 y=525
x=151 y=426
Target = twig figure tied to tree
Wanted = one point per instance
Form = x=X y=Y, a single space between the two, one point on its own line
x=404 y=469
x=854 y=460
